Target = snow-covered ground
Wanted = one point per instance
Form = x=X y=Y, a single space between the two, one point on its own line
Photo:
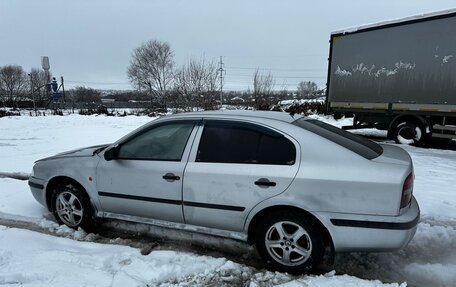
x=34 y=259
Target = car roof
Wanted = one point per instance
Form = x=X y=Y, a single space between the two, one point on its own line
x=271 y=115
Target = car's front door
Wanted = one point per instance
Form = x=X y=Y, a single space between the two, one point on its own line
x=145 y=178
x=234 y=166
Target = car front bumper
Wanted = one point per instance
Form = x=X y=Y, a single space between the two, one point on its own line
x=372 y=233
x=37 y=187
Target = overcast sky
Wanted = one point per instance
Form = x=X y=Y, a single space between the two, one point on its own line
x=89 y=42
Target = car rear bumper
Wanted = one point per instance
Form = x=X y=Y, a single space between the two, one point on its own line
x=372 y=233
x=37 y=187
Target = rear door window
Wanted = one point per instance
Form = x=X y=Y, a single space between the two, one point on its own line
x=239 y=142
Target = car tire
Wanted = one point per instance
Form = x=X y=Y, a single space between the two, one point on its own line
x=71 y=207
x=409 y=133
x=289 y=243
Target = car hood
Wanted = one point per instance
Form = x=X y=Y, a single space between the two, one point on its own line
x=81 y=152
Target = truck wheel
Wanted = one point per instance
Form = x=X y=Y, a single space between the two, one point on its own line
x=337 y=115
x=409 y=133
x=289 y=243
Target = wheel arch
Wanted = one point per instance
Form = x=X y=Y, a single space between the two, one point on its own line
x=327 y=238
x=407 y=117
x=53 y=182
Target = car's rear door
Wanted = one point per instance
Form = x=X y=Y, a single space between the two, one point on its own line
x=235 y=165
x=145 y=179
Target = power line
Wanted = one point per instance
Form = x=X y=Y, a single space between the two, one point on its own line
x=282 y=77
x=251 y=83
x=276 y=69
x=97 y=83
x=288 y=55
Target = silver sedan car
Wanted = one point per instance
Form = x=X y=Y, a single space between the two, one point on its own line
x=295 y=187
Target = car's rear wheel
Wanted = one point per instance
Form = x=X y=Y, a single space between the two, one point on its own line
x=71 y=206
x=289 y=243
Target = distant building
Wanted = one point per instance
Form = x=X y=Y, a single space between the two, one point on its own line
x=107 y=101
x=237 y=100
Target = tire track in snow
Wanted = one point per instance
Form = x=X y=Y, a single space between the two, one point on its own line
x=434 y=240
x=422 y=263
x=144 y=237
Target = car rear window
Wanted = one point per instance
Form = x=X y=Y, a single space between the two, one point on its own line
x=357 y=144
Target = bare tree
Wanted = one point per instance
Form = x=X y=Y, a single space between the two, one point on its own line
x=86 y=95
x=13 y=82
x=196 y=84
x=183 y=89
x=263 y=86
x=307 y=89
x=151 y=69
x=38 y=79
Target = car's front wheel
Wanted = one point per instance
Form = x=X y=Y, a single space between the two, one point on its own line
x=71 y=207
x=289 y=243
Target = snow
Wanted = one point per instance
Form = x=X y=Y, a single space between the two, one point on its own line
x=341 y=72
x=363 y=69
x=36 y=137
x=447 y=58
x=14 y=199
x=31 y=258
x=329 y=280
x=300 y=101
x=392 y=21
x=428 y=270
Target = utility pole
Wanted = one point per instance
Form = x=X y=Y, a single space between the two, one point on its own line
x=31 y=91
x=221 y=71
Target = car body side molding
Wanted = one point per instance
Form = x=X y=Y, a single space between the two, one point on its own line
x=141 y=198
x=214 y=206
x=172 y=201
x=376 y=224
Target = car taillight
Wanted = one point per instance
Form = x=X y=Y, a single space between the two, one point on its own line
x=407 y=191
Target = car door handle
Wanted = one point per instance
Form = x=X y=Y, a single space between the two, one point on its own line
x=171 y=177
x=265 y=182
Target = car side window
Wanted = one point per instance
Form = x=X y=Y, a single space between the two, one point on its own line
x=163 y=142
x=237 y=142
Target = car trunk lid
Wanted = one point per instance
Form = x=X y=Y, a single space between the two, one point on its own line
x=394 y=154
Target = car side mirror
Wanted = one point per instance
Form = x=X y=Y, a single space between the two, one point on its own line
x=111 y=153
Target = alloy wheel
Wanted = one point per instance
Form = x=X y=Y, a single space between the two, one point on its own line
x=69 y=208
x=288 y=243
